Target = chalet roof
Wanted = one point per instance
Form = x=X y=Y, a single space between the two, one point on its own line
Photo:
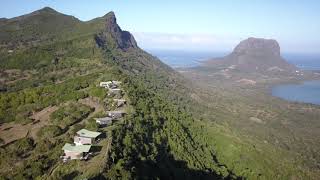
x=117 y=112
x=78 y=148
x=104 y=119
x=115 y=89
x=121 y=100
x=111 y=82
x=116 y=82
x=87 y=133
x=107 y=82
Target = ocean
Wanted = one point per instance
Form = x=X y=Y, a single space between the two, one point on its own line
x=178 y=59
x=307 y=92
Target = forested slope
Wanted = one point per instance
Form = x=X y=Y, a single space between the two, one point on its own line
x=164 y=134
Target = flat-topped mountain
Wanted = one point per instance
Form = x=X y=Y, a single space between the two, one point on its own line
x=258 y=46
x=255 y=55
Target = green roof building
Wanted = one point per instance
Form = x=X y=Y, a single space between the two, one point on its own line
x=75 y=151
x=85 y=137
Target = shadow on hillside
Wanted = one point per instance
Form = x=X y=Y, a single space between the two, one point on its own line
x=168 y=168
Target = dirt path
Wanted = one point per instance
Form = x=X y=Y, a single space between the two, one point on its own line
x=43 y=118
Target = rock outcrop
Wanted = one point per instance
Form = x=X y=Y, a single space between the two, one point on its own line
x=123 y=39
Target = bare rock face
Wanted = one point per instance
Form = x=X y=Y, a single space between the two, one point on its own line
x=123 y=39
x=258 y=46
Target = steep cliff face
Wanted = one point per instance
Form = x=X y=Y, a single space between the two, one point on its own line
x=258 y=46
x=122 y=39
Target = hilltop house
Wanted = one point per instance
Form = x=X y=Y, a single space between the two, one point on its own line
x=116 y=82
x=86 y=137
x=120 y=102
x=75 y=152
x=110 y=84
x=105 y=121
x=115 y=91
x=105 y=84
x=115 y=114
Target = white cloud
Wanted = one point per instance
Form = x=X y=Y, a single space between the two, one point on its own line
x=208 y=42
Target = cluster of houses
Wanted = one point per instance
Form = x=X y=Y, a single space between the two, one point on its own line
x=111 y=116
x=84 y=139
x=113 y=88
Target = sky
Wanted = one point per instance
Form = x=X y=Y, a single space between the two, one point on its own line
x=203 y=25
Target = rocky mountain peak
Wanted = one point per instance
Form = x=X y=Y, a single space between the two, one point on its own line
x=258 y=46
x=111 y=20
x=45 y=10
x=124 y=39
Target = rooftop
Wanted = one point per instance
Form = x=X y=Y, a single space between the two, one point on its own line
x=87 y=133
x=103 y=119
x=120 y=111
x=78 y=148
x=119 y=99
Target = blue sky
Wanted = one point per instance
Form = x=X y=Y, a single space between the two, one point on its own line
x=197 y=25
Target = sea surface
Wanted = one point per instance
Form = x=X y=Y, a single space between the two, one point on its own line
x=184 y=59
x=178 y=59
x=304 y=61
x=306 y=92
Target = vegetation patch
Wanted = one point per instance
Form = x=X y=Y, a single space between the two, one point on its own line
x=49 y=131
x=70 y=114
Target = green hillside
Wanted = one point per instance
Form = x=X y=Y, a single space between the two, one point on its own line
x=51 y=66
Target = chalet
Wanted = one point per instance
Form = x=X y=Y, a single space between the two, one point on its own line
x=120 y=102
x=110 y=84
x=116 y=114
x=116 y=82
x=115 y=91
x=75 y=152
x=105 y=84
x=104 y=121
x=86 y=137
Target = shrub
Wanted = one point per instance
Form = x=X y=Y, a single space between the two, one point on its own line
x=70 y=114
x=99 y=92
x=92 y=125
x=21 y=146
x=49 y=131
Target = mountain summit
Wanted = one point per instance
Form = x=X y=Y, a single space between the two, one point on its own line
x=258 y=46
x=255 y=55
x=123 y=39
